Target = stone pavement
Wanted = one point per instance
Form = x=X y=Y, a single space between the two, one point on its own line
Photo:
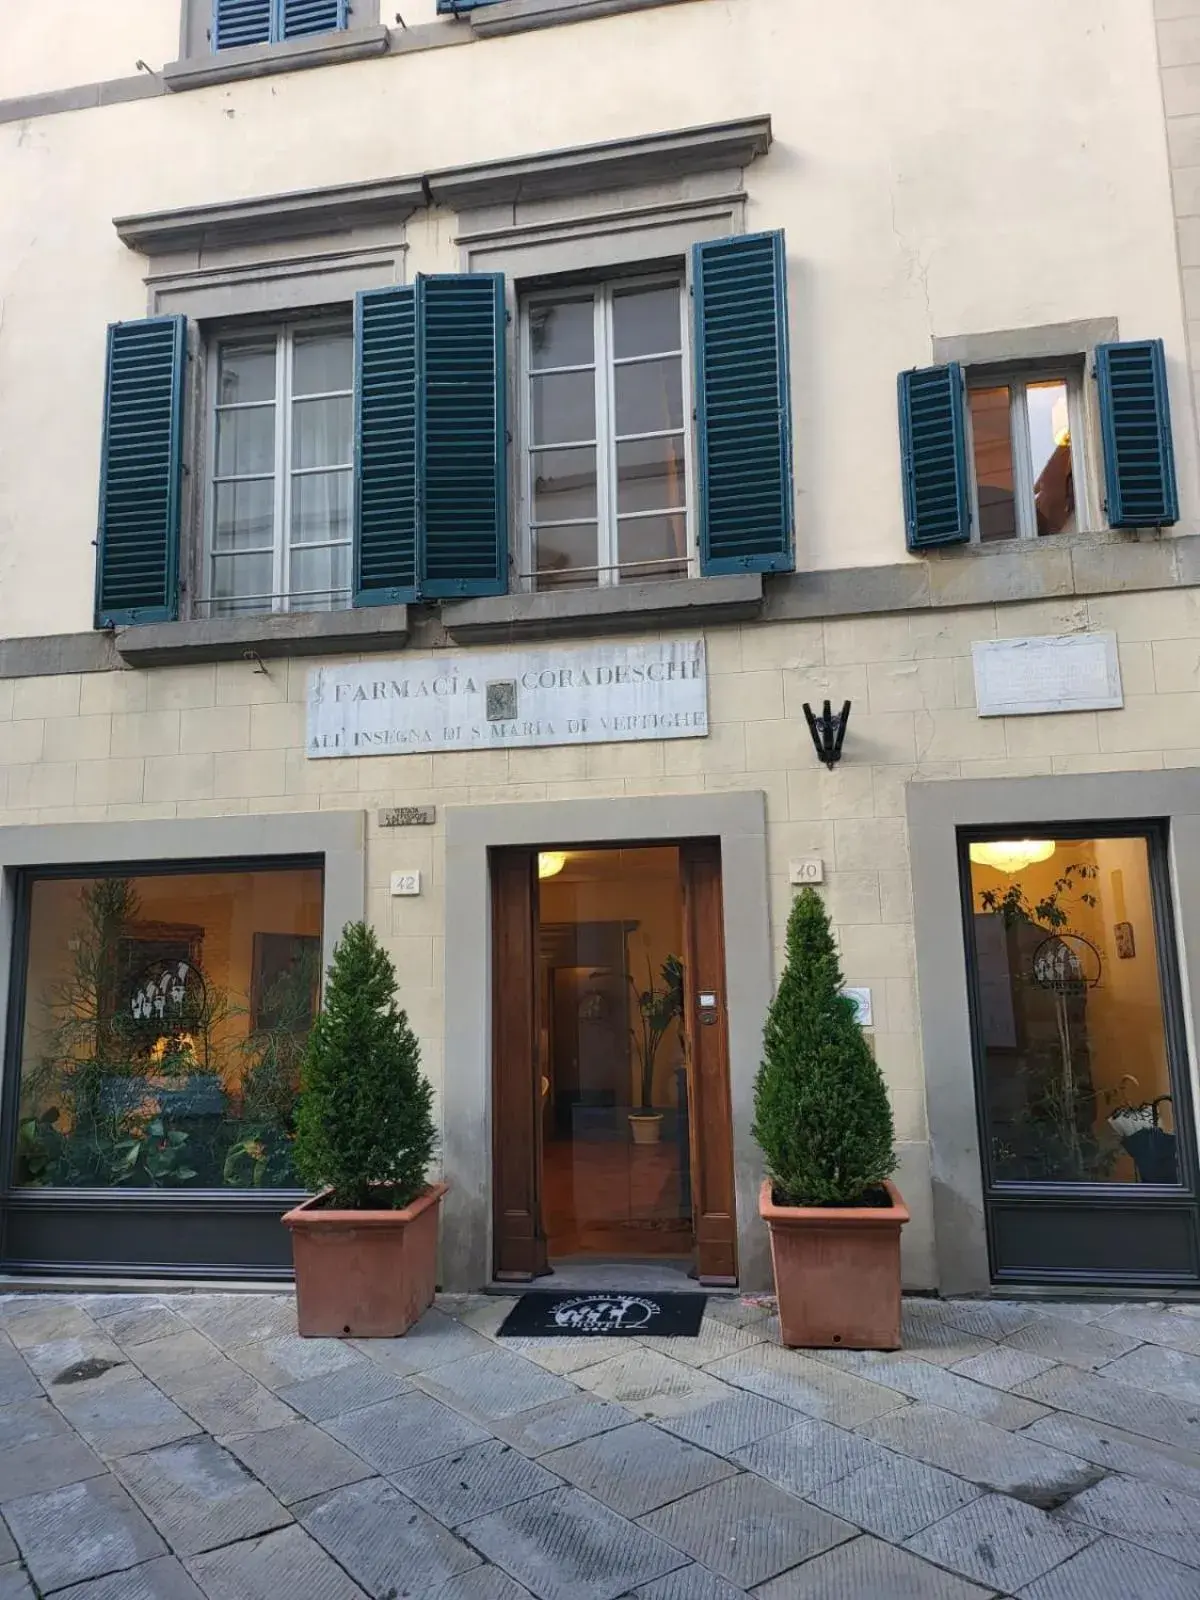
x=177 y=1447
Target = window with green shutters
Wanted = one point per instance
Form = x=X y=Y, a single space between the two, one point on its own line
x=246 y=22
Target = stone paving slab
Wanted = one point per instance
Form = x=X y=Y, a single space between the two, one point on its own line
x=1173 y=1327
x=1171 y=1372
x=41 y=1464
x=1104 y=1399
x=566 y=1546
x=351 y=1388
x=689 y=1583
x=651 y=1385
x=991 y=1457
x=990 y=1319
x=895 y=1498
x=142 y=1323
x=494 y=1385
x=563 y=1422
x=8 y=1550
x=482 y=1583
x=120 y=1419
x=387 y=1544
x=162 y=1579
x=637 y=1469
x=237 y=1319
x=475 y=1482
x=1077 y=1344
x=807 y=1456
x=928 y=1332
x=228 y=1400
x=404 y=1433
x=1164 y=1520
x=1123 y=1452
x=86 y=1530
x=738 y=1313
x=746 y=1530
x=715 y=1339
x=174 y=1358
x=298 y=1461
x=998 y=1542
x=812 y=1387
x=16 y=1380
x=565 y=1356
x=921 y=1380
x=288 y=1565
x=14 y=1584
x=287 y=1359
x=30 y=1319
x=1111 y=1570
x=199 y=1496
x=870 y=1570
x=1004 y=1368
x=56 y=1356
x=724 y=1426
x=434 y=1341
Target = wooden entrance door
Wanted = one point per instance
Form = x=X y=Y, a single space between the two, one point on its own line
x=519 y=1238
x=706 y=1034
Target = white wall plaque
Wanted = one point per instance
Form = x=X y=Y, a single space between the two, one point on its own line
x=1026 y=677
x=406 y=883
x=810 y=870
x=590 y=694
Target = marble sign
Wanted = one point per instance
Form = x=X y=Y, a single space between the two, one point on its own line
x=1030 y=677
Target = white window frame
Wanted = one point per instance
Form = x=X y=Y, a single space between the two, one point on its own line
x=1068 y=370
x=281 y=599
x=602 y=290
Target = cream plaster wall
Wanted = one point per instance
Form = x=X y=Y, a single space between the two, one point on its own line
x=55 y=44
x=215 y=740
x=1007 y=171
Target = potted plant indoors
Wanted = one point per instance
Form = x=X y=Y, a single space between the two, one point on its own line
x=365 y=1245
x=657 y=1009
x=824 y=1123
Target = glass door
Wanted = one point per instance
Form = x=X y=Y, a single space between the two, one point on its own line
x=1082 y=1085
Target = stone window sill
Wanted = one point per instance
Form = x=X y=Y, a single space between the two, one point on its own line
x=310 y=633
x=584 y=613
x=522 y=16
x=261 y=60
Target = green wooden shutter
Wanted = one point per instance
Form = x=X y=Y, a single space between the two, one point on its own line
x=743 y=405
x=301 y=18
x=1135 y=425
x=431 y=447
x=386 y=452
x=465 y=501
x=933 y=451
x=141 y=466
x=241 y=22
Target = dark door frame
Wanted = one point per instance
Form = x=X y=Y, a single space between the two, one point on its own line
x=1021 y=1217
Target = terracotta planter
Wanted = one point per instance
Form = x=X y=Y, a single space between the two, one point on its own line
x=364 y=1274
x=837 y=1272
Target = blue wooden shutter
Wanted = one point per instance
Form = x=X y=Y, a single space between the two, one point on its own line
x=463 y=432
x=386 y=450
x=1135 y=424
x=300 y=18
x=933 y=452
x=137 y=552
x=451 y=8
x=238 y=22
x=743 y=405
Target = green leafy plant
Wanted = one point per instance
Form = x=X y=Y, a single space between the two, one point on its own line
x=1013 y=905
x=364 y=1124
x=822 y=1115
x=657 y=1009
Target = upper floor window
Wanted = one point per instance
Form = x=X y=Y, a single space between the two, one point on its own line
x=1026 y=434
x=279 y=522
x=244 y=22
x=605 y=435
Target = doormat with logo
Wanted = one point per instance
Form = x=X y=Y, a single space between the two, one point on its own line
x=541 y=1315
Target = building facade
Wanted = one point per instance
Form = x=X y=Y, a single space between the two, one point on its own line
x=506 y=420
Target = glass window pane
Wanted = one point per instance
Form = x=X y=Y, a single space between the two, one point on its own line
x=321 y=507
x=650 y=474
x=650 y=396
x=247 y=372
x=165 y=1017
x=564 y=485
x=322 y=363
x=991 y=425
x=562 y=335
x=1050 y=445
x=245 y=517
x=646 y=321
x=652 y=547
x=322 y=433
x=1073 y=1038
x=245 y=441
x=564 y=556
x=564 y=408
x=241 y=583
x=321 y=578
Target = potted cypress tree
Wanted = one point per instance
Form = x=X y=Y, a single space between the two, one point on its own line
x=365 y=1245
x=824 y=1123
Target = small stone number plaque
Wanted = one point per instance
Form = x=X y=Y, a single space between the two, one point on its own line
x=408 y=817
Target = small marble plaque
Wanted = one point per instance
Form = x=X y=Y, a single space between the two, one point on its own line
x=1031 y=677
